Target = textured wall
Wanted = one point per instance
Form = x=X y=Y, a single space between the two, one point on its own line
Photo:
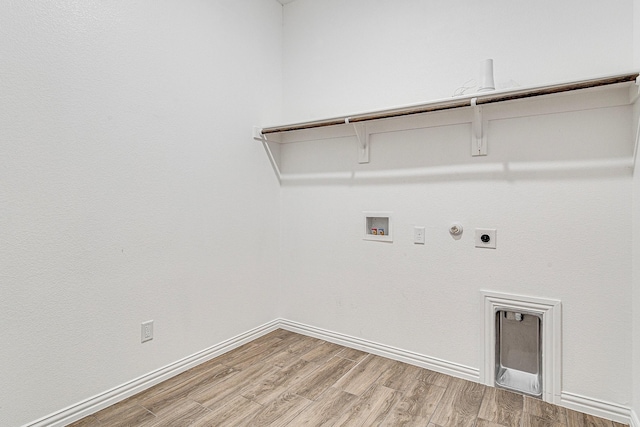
x=636 y=234
x=636 y=34
x=563 y=233
x=131 y=189
x=426 y=298
x=376 y=54
x=636 y=280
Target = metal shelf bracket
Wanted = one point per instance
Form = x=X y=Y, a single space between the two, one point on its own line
x=259 y=136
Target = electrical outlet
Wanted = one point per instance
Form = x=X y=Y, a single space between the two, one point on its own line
x=486 y=238
x=418 y=235
x=147 y=331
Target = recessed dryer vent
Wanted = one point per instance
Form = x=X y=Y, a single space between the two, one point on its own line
x=522 y=344
x=519 y=352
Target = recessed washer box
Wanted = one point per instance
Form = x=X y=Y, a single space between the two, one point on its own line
x=378 y=226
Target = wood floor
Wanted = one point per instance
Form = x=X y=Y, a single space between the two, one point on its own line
x=286 y=379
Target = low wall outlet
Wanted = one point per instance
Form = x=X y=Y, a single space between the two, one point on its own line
x=147 y=331
x=418 y=235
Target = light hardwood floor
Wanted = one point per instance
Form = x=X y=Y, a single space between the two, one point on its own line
x=287 y=379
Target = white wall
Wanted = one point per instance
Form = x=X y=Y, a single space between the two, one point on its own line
x=344 y=56
x=636 y=34
x=131 y=189
x=636 y=280
x=636 y=233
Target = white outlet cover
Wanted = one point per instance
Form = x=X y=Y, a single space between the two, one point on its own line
x=418 y=235
x=147 y=331
x=487 y=232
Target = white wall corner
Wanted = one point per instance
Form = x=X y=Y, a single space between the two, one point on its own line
x=635 y=254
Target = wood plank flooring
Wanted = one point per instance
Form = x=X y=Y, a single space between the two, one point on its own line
x=286 y=379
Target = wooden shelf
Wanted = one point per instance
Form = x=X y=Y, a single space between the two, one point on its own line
x=477 y=99
x=621 y=89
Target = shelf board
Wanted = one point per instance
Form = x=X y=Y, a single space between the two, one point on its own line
x=477 y=99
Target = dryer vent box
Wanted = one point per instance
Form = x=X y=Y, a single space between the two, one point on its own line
x=519 y=352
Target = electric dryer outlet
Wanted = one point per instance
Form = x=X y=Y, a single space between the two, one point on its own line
x=486 y=238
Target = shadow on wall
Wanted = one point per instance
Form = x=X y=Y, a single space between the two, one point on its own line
x=496 y=171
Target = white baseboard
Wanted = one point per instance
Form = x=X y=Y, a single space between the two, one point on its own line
x=576 y=402
x=117 y=394
x=438 y=365
x=635 y=421
x=598 y=408
x=94 y=404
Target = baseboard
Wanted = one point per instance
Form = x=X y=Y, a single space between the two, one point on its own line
x=438 y=365
x=117 y=394
x=635 y=421
x=598 y=408
x=92 y=405
x=576 y=402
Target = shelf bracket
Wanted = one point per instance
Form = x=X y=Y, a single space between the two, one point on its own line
x=634 y=91
x=363 y=141
x=478 y=137
x=259 y=136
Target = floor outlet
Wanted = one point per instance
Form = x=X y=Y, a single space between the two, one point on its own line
x=418 y=235
x=147 y=331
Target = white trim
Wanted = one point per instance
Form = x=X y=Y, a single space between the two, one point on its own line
x=550 y=311
x=117 y=394
x=587 y=405
x=94 y=404
x=438 y=365
x=596 y=407
x=635 y=421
